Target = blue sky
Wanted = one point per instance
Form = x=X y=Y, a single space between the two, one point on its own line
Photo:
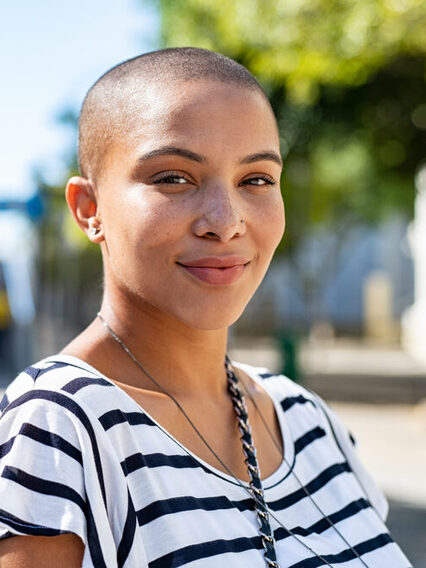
x=50 y=53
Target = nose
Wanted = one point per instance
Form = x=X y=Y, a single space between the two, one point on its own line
x=220 y=217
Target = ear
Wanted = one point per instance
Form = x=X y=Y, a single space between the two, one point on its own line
x=81 y=199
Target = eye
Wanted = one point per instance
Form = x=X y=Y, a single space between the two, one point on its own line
x=170 y=178
x=259 y=181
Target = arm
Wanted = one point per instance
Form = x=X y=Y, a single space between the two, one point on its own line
x=41 y=551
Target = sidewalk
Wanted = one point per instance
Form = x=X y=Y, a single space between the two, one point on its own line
x=350 y=371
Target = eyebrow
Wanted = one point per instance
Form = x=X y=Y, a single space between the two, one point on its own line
x=176 y=151
x=172 y=151
x=261 y=156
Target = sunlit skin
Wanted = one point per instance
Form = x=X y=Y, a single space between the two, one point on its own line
x=187 y=201
x=166 y=209
x=198 y=159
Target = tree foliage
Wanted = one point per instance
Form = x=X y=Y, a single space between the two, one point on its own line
x=347 y=82
x=301 y=43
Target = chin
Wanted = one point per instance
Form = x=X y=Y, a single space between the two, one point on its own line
x=210 y=318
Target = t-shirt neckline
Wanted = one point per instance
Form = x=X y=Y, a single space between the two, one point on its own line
x=287 y=463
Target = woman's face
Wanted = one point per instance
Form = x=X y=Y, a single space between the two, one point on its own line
x=190 y=203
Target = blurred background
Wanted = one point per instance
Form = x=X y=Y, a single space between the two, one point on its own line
x=343 y=307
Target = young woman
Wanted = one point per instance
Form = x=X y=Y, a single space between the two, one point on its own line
x=141 y=444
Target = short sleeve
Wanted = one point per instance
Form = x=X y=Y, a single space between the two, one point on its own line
x=42 y=487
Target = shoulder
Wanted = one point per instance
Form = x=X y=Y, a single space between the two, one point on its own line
x=56 y=391
x=282 y=389
x=50 y=445
x=307 y=412
x=49 y=373
x=304 y=410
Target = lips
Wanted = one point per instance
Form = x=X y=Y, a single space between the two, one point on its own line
x=218 y=271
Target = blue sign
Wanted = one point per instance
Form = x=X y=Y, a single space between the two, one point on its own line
x=33 y=207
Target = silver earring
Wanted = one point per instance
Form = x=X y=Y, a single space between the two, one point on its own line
x=94 y=231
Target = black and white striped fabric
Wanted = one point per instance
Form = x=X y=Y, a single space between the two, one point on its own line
x=78 y=455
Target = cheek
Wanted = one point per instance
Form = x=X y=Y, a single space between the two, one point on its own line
x=270 y=223
x=146 y=222
x=280 y=220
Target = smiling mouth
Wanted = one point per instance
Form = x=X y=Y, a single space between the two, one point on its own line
x=215 y=275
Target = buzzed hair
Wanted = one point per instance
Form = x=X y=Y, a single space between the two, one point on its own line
x=111 y=103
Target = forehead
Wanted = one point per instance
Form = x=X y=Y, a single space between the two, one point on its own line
x=198 y=109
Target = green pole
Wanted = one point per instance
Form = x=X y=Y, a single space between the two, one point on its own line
x=289 y=351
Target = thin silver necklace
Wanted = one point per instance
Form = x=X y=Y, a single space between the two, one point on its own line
x=259 y=504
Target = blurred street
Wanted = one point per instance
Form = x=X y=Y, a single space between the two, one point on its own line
x=380 y=395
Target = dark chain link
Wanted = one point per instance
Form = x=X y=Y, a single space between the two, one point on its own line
x=255 y=483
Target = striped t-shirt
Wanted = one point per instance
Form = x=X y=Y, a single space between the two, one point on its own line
x=77 y=454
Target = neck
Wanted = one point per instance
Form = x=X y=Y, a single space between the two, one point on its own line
x=184 y=360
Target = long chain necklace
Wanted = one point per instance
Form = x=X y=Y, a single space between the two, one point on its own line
x=249 y=450
x=255 y=488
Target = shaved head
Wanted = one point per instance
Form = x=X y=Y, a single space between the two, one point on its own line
x=114 y=102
